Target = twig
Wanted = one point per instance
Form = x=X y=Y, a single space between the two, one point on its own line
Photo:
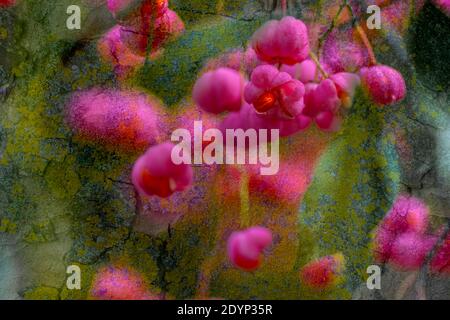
x=284 y=7
x=362 y=34
x=405 y=285
x=330 y=28
x=365 y=40
x=314 y=58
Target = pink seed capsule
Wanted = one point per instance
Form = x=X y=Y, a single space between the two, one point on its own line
x=285 y=41
x=304 y=71
x=113 y=51
x=274 y=93
x=118 y=283
x=245 y=247
x=219 y=91
x=410 y=249
x=154 y=173
x=248 y=118
x=142 y=26
x=408 y=214
x=323 y=273
x=320 y=98
x=322 y=103
x=384 y=84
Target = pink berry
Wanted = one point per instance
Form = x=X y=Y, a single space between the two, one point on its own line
x=285 y=41
x=410 y=249
x=304 y=71
x=245 y=247
x=140 y=28
x=121 y=120
x=113 y=283
x=247 y=118
x=384 y=84
x=113 y=51
x=441 y=261
x=384 y=239
x=322 y=103
x=320 y=98
x=218 y=91
x=154 y=173
x=322 y=273
x=274 y=93
x=407 y=214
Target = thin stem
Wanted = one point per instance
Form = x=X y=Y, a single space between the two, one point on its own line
x=405 y=285
x=244 y=198
x=284 y=7
x=314 y=58
x=331 y=28
x=365 y=40
x=362 y=35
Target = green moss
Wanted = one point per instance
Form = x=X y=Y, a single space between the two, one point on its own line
x=172 y=76
x=42 y=293
x=7 y=226
x=353 y=187
x=41 y=232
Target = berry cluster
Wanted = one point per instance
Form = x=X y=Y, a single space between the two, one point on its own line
x=402 y=239
x=275 y=83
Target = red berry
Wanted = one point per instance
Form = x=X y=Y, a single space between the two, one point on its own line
x=323 y=273
x=441 y=261
x=245 y=247
x=155 y=173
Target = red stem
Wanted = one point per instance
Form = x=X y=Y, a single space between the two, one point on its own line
x=284 y=7
x=365 y=40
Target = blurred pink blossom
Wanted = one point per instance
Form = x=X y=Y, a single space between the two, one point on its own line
x=113 y=283
x=121 y=120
